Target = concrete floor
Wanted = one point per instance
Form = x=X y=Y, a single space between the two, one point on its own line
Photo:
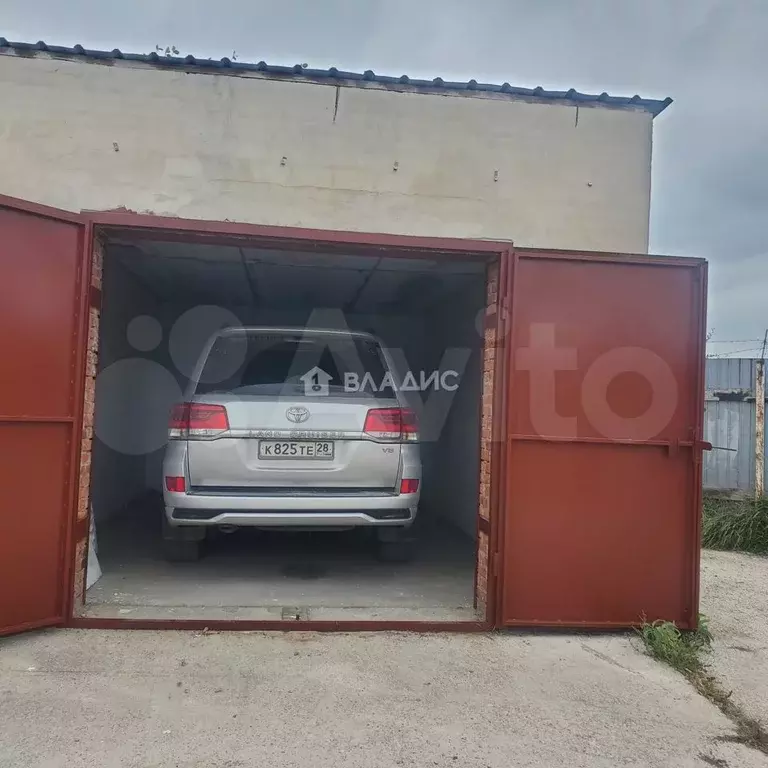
x=734 y=595
x=79 y=699
x=261 y=575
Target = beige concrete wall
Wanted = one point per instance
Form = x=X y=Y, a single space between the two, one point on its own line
x=89 y=136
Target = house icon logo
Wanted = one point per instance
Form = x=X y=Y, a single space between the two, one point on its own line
x=316 y=382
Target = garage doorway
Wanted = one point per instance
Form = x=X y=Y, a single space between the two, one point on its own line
x=159 y=302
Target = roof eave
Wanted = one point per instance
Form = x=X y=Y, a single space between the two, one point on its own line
x=298 y=71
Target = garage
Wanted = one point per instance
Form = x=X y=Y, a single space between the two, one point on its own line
x=494 y=544
x=160 y=304
x=457 y=273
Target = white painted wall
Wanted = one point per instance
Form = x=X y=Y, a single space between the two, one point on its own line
x=89 y=136
x=125 y=401
x=452 y=463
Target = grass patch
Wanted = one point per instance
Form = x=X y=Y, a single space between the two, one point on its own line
x=681 y=650
x=738 y=525
x=684 y=651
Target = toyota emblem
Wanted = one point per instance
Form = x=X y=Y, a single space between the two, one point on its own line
x=297 y=414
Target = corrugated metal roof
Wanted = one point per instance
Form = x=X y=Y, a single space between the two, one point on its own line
x=229 y=66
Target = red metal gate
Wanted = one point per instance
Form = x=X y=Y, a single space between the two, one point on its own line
x=41 y=311
x=599 y=474
x=603 y=459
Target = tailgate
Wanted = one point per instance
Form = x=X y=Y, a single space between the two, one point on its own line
x=244 y=457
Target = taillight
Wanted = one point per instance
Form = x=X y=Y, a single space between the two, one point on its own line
x=409 y=425
x=179 y=420
x=175 y=484
x=409 y=485
x=391 y=424
x=191 y=420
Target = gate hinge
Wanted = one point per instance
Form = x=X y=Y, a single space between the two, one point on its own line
x=495 y=564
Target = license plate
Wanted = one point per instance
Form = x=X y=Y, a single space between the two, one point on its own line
x=295 y=449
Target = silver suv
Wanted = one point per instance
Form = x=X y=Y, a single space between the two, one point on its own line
x=291 y=428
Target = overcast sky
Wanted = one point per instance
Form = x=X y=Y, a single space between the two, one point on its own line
x=710 y=181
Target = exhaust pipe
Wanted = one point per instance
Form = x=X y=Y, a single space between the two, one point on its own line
x=227 y=529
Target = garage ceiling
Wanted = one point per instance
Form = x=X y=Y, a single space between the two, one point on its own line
x=282 y=279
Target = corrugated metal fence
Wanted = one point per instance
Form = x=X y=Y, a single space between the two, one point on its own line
x=729 y=424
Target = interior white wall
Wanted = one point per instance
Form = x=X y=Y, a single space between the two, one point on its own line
x=451 y=484
x=118 y=476
x=84 y=136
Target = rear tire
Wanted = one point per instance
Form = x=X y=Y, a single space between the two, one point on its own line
x=181 y=551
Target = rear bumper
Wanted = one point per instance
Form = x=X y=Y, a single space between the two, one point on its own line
x=183 y=509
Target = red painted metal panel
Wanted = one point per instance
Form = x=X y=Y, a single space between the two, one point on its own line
x=605 y=539
x=604 y=420
x=40 y=336
x=502 y=325
x=267 y=625
x=698 y=474
x=40 y=257
x=33 y=475
x=136 y=225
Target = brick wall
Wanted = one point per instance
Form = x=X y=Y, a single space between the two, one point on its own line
x=486 y=436
x=86 y=447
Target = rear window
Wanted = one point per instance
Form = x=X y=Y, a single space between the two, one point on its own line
x=298 y=365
